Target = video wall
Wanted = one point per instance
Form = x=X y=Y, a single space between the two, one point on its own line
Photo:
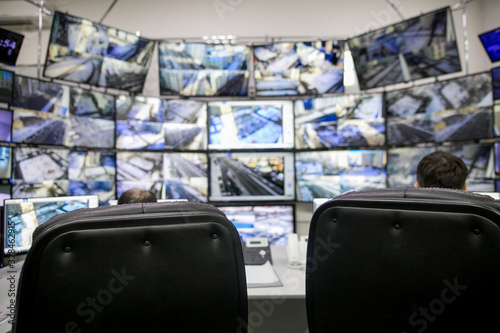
x=298 y=138
x=60 y=140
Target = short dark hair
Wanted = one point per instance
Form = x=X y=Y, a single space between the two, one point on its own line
x=136 y=195
x=442 y=169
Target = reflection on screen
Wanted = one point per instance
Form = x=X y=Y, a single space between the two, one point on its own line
x=5 y=125
x=417 y=48
x=299 y=68
x=196 y=69
x=275 y=222
x=328 y=174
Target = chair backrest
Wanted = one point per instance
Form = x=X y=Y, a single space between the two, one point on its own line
x=157 y=267
x=404 y=260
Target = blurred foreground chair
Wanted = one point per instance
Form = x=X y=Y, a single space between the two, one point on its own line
x=158 y=267
x=404 y=260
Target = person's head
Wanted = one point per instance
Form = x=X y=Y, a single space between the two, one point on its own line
x=441 y=169
x=136 y=195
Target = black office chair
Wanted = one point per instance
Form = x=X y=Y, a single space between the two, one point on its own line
x=404 y=260
x=157 y=267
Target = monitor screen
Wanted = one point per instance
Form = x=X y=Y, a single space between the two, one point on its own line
x=40 y=172
x=340 y=121
x=495 y=82
x=5 y=162
x=22 y=216
x=153 y=123
x=10 y=45
x=452 y=110
x=302 y=68
x=275 y=222
x=491 y=43
x=54 y=114
x=5 y=125
x=420 y=47
x=87 y=52
x=6 y=86
x=168 y=175
x=198 y=69
x=251 y=176
x=327 y=174
x=250 y=124
x=402 y=164
x=92 y=172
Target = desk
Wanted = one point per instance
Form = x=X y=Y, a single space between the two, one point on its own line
x=279 y=309
x=270 y=309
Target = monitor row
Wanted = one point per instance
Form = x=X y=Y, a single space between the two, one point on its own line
x=89 y=52
x=263 y=176
x=47 y=113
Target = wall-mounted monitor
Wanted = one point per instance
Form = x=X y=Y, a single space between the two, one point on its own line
x=302 y=68
x=87 y=52
x=420 y=47
x=168 y=175
x=496 y=115
x=495 y=82
x=198 y=69
x=250 y=125
x=5 y=125
x=327 y=174
x=256 y=176
x=452 y=110
x=6 y=86
x=339 y=121
x=22 y=216
x=92 y=172
x=40 y=172
x=491 y=43
x=402 y=164
x=154 y=123
x=275 y=222
x=10 y=45
x=54 y=114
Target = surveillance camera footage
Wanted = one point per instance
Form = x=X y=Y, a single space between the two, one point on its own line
x=349 y=120
x=87 y=52
x=251 y=176
x=328 y=174
x=196 y=69
x=168 y=175
x=92 y=173
x=5 y=125
x=153 y=123
x=250 y=125
x=452 y=110
x=53 y=114
x=48 y=178
x=417 y=48
x=275 y=222
x=299 y=68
